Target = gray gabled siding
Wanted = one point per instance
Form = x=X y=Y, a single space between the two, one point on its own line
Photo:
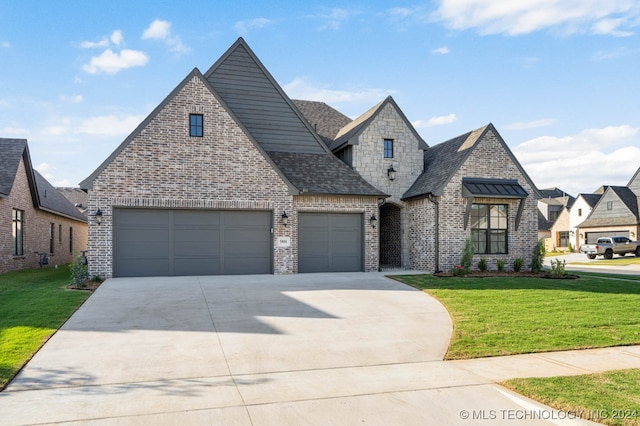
x=253 y=96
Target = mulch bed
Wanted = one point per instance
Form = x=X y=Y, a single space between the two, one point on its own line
x=489 y=274
x=89 y=285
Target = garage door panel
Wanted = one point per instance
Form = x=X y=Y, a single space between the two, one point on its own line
x=330 y=242
x=191 y=242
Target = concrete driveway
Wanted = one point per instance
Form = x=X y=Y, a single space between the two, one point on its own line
x=256 y=350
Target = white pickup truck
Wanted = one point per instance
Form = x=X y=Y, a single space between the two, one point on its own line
x=608 y=246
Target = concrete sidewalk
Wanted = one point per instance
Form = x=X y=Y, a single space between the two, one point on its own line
x=275 y=350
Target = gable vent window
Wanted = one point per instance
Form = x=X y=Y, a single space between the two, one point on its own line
x=388 y=148
x=609 y=205
x=195 y=125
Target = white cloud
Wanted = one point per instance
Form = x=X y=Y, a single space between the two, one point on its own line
x=531 y=124
x=526 y=16
x=300 y=88
x=435 y=121
x=14 y=132
x=334 y=19
x=74 y=99
x=111 y=63
x=582 y=162
x=5 y=44
x=109 y=125
x=243 y=27
x=158 y=29
x=441 y=50
x=46 y=170
x=161 y=30
x=116 y=37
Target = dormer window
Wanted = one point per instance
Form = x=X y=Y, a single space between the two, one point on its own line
x=388 y=148
x=195 y=125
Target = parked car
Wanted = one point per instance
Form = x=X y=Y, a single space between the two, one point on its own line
x=608 y=246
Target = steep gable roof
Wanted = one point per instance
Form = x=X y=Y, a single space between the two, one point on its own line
x=553 y=193
x=630 y=201
x=442 y=161
x=352 y=130
x=591 y=199
x=260 y=103
x=634 y=183
x=43 y=194
x=324 y=119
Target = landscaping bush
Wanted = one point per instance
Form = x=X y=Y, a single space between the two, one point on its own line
x=558 y=268
x=482 y=264
x=467 y=256
x=538 y=257
x=517 y=264
x=79 y=272
x=500 y=264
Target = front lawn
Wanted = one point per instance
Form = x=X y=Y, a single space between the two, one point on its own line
x=514 y=315
x=611 y=397
x=33 y=305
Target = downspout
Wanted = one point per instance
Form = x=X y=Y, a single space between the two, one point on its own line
x=437 y=242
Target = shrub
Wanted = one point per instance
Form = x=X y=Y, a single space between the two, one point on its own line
x=482 y=264
x=570 y=248
x=558 y=268
x=79 y=272
x=517 y=264
x=467 y=255
x=458 y=271
x=538 y=257
x=500 y=263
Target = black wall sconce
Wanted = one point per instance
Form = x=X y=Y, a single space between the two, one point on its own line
x=285 y=218
x=391 y=173
x=99 y=216
x=373 y=220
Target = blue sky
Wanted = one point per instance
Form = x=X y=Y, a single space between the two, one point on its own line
x=558 y=78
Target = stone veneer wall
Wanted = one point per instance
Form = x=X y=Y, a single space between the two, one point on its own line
x=343 y=204
x=488 y=160
x=35 y=230
x=163 y=167
x=368 y=154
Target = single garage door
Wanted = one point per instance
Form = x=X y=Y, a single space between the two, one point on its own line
x=155 y=242
x=592 y=237
x=330 y=242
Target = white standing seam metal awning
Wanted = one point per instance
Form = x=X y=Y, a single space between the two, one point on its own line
x=492 y=188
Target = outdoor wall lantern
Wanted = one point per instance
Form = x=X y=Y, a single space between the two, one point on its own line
x=391 y=173
x=373 y=220
x=99 y=216
x=285 y=219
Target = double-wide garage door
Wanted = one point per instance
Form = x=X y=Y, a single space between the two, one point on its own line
x=154 y=242
x=330 y=242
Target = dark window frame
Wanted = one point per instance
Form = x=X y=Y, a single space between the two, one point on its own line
x=71 y=239
x=52 y=238
x=17 y=229
x=196 y=125
x=388 y=148
x=489 y=235
x=564 y=239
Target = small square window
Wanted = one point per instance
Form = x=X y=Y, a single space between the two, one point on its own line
x=388 y=148
x=195 y=125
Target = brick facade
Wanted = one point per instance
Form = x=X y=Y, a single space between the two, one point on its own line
x=163 y=167
x=36 y=230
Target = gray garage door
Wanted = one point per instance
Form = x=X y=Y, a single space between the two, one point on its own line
x=330 y=242
x=149 y=242
x=592 y=237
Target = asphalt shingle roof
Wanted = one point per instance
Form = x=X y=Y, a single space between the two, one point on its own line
x=322 y=174
x=51 y=199
x=325 y=120
x=630 y=200
x=11 y=151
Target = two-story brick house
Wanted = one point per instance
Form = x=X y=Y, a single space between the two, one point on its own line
x=34 y=216
x=229 y=175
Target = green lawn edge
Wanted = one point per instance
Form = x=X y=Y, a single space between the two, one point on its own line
x=34 y=304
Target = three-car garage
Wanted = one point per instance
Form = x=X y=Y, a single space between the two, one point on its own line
x=178 y=242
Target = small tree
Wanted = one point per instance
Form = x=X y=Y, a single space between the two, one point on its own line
x=482 y=264
x=79 y=272
x=517 y=264
x=467 y=255
x=538 y=257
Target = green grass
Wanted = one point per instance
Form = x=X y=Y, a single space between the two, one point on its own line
x=33 y=305
x=616 y=261
x=611 y=398
x=514 y=315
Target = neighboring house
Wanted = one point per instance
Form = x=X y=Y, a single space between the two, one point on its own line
x=616 y=213
x=77 y=197
x=554 y=206
x=34 y=216
x=579 y=211
x=230 y=176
